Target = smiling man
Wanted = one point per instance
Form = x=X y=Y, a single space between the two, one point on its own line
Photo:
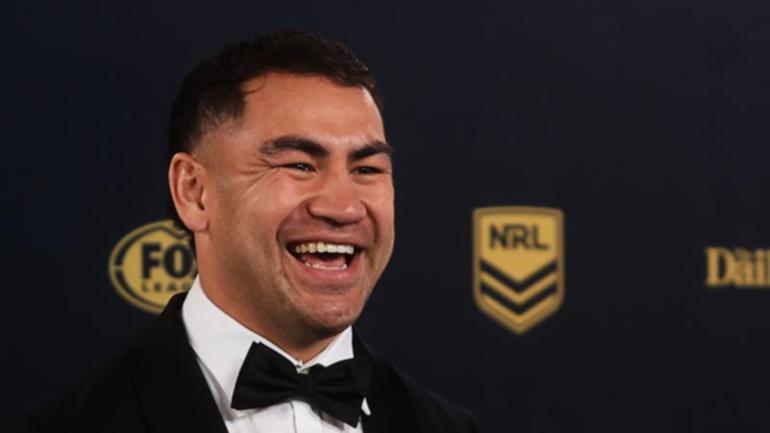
x=281 y=171
x=291 y=206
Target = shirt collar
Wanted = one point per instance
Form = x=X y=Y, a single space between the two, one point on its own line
x=222 y=343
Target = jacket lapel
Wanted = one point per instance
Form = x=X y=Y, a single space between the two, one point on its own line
x=388 y=399
x=171 y=388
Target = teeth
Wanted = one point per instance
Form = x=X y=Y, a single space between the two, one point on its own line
x=324 y=247
x=326 y=267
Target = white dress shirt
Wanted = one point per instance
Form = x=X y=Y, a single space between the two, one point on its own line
x=221 y=345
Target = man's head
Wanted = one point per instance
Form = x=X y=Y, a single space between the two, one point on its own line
x=282 y=172
x=212 y=92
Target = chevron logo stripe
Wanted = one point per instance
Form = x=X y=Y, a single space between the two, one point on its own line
x=526 y=295
x=518 y=287
x=519 y=297
x=518 y=308
x=524 y=319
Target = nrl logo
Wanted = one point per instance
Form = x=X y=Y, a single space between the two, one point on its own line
x=518 y=264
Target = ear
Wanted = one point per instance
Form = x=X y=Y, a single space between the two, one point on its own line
x=186 y=180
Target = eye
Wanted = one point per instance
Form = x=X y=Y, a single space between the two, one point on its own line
x=367 y=170
x=301 y=166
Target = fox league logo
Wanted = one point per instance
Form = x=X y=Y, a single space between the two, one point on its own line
x=151 y=264
x=518 y=264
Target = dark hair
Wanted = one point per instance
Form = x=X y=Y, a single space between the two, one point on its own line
x=211 y=92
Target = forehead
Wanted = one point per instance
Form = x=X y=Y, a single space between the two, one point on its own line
x=279 y=104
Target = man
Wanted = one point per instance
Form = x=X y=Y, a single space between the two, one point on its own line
x=281 y=170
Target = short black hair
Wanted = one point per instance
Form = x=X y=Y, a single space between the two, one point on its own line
x=211 y=93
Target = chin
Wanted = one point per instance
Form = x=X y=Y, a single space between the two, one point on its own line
x=331 y=321
x=325 y=311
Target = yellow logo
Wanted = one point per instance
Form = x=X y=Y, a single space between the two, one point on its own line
x=737 y=267
x=518 y=264
x=151 y=264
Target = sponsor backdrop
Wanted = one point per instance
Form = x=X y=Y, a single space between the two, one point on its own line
x=583 y=227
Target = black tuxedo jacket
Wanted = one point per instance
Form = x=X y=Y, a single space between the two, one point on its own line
x=157 y=386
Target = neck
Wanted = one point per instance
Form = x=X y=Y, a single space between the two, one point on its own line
x=300 y=343
x=301 y=352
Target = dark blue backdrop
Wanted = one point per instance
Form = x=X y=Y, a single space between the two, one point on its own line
x=644 y=121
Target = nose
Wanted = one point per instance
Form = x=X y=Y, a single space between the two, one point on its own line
x=337 y=201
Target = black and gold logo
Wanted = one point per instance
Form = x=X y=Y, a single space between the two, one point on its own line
x=518 y=264
x=151 y=264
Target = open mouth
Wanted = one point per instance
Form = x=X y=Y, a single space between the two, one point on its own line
x=324 y=255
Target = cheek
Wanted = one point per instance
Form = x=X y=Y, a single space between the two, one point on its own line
x=276 y=203
x=222 y=211
x=379 y=201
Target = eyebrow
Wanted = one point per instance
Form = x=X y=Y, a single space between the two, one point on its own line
x=283 y=144
x=373 y=148
x=316 y=150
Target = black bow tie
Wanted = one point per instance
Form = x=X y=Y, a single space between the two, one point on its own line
x=267 y=378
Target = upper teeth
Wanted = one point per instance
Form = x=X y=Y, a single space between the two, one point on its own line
x=324 y=247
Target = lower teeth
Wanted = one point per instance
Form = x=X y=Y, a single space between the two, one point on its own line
x=324 y=267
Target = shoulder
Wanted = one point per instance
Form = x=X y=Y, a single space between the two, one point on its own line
x=404 y=399
x=156 y=384
x=106 y=400
x=436 y=411
x=109 y=399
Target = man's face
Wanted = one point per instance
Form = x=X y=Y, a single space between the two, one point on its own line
x=300 y=204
